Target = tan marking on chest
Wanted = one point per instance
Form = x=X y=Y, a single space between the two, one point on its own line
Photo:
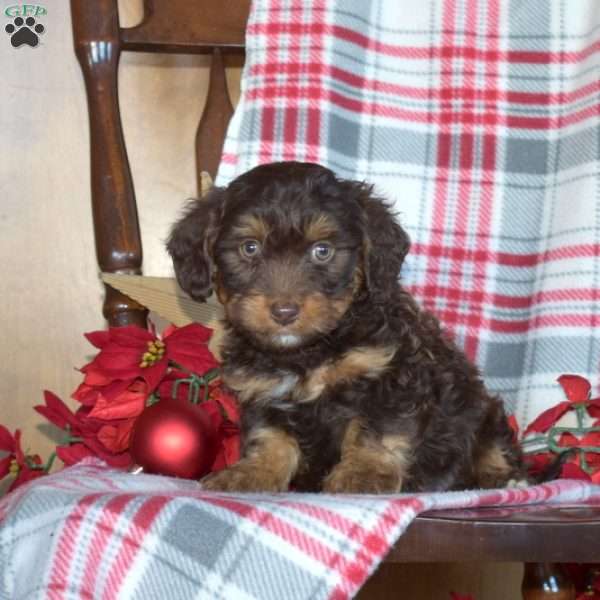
x=364 y=361
x=257 y=388
x=248 y=387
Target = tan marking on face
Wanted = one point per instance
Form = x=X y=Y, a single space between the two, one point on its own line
x=320 y=227
x=251 y=227
x=271 y=458
x=318 y=315
x=363 y=361
x=315 y=306
x=220 y=290
x=367 y=465
x=252 y=311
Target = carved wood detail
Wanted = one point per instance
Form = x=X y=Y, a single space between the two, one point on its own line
x=214 y=121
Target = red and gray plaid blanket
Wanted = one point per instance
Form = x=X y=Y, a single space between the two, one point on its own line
x=92 y=532
x=480 y=119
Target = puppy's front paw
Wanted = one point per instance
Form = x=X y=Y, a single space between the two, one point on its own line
x=362 y=478
x=244 y=478
x=517 y=483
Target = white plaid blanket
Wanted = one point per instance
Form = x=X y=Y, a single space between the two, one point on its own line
x=91 y=532
x=480 y=119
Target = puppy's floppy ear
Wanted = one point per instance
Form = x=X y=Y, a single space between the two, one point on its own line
x=385 y=245
x=191 y=244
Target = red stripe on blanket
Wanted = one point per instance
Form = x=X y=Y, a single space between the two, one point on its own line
x=328 y=517
x=445 y=50
x=465 y=158
x=444 y=155
x=375 y=542
x=104 y=530
x=313 y=121
x=303 y=541
x=479 y=297
x=487 y=169
x=486 y=115
x=472 y=319
x=401 y=511
x=505 y=259
x=59 y=579
x=139 y=528
x=303 y=74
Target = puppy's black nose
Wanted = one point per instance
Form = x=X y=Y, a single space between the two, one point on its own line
x=285 y=312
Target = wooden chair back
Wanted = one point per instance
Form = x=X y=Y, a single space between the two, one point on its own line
x=215 y=27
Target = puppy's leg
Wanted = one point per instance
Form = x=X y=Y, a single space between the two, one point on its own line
x=369 y=465
x=497 y=459
x=270 y=461
x=498 y=466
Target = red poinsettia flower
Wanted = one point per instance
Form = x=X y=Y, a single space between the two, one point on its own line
x=572 y=470
x=84 y=434
x=117 y=414
x=126 y=354
x=228 y=452
x=188 y=347
x=538 y=463
x=129 y=353
x=131 y=366
x=568 y=440
x=17 y=463
x=91 y=388
x=514 y=426
x=116 y=437
x=129 y=403
x=578 y=390
x=58 y=413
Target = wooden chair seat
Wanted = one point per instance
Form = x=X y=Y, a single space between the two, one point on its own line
x=534 y=533
x=538 y=533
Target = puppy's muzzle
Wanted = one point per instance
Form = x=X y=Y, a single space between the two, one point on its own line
x=285 y=313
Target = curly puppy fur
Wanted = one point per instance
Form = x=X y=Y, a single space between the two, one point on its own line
x=346 y=385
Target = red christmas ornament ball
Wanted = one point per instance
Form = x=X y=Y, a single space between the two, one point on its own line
x=175 y=438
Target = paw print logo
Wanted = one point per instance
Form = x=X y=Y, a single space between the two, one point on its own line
x=24 y=31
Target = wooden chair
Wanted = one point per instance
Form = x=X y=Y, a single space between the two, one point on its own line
x=548 y=535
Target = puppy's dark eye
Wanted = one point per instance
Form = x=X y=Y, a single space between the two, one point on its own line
x=250 y=248
x=322 y=252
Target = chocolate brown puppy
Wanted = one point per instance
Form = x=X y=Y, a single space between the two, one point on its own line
x=345 y=383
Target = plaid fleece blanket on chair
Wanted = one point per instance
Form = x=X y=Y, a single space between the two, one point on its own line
x=480 y=120
x=92 y=532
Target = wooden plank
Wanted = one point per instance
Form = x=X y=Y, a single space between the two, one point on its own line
x=189 y=26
